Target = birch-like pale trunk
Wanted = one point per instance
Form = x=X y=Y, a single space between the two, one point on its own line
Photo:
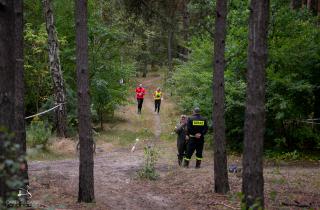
x=55 y=69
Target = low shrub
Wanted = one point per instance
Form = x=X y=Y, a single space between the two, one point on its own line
x=150 y=157
x=38 y=134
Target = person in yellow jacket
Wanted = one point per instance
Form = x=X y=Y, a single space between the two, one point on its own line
x=157 y=96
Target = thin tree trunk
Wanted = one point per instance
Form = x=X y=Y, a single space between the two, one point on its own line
x=318 y=7
x=145 y=69
x=221 y=183
x=86 y=177
x=254 y=126
x=11 y=86
x=304 y=2
x=101 y=119
x=55 y=68
x=170 y=43
x=186 y=24
x=7 y=76
x=295 y=4
x=309 y=4
x=316 y=109
x=20 y=131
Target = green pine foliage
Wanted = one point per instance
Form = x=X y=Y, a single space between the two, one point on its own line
x=292 y=77
x=10 y=167
x=125 y=39
x=38 y=134
x=111 y=59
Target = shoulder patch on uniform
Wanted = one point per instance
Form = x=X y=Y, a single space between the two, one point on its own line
x=198 y=122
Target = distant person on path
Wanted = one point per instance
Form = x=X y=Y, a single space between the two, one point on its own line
x=181 y=130
x=197 y=127
x=157 y=96
x=140 y=92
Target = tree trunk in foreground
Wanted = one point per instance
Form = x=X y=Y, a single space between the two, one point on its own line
x=86 y=178
x=20 y=130
x=221 y=183
x=12 y=90
x=254 y=126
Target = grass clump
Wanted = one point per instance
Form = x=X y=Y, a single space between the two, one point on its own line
x=124 y=137
x=295 y=155
x=38 y=134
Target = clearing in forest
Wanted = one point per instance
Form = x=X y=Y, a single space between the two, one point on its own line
x=54 y=183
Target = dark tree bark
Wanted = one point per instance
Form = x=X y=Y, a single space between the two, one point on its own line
x=20 y=131
x=86 y=177
x=295 y=4
x=316 y=111
x=254 y=126
x=304 y=2
x=55 y=69
x=309 y=4
x=170 y=46
x=221 y=183
x=11 y=84
x=314 y=6
x=318 y=7
x=7 y=76
x=145 y=69
x=186 y=24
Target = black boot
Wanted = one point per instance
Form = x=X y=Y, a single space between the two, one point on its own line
x=180 y=161
x=198 y=163
x=186 y=163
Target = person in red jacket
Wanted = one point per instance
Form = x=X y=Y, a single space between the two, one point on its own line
x=140 y=92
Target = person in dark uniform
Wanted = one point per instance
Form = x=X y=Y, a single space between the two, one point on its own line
x=197 y=127
x=181 y=130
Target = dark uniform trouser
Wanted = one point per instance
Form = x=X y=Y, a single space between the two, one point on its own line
x=195 y=144
x=182 y=147
x=157 y=103
x=140 y=102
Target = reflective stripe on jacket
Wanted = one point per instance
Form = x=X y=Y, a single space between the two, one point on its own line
x=157 y=95
x=197 y=124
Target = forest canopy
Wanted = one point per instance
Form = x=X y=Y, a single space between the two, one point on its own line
x=128 y=38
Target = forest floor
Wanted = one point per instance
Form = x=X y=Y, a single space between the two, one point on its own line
x=54 y=183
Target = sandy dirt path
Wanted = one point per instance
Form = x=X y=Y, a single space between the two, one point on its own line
x=54 y=184
x=116 y=185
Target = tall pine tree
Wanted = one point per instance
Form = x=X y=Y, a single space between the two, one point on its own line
x=221 y=183
x=254 y=126
x=86 y=177
x=12 y=94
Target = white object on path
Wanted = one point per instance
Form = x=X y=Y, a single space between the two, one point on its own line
x=134 y=146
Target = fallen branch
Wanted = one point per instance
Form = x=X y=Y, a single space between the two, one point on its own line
x=296 y=204
x=221 y=204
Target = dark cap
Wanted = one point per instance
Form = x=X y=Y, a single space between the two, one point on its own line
x=196 y=110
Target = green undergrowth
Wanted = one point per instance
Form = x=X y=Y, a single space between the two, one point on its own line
x=38 y=134
x=125 y=137
x=148 y=171
x=45 y=154
x=291 y=156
